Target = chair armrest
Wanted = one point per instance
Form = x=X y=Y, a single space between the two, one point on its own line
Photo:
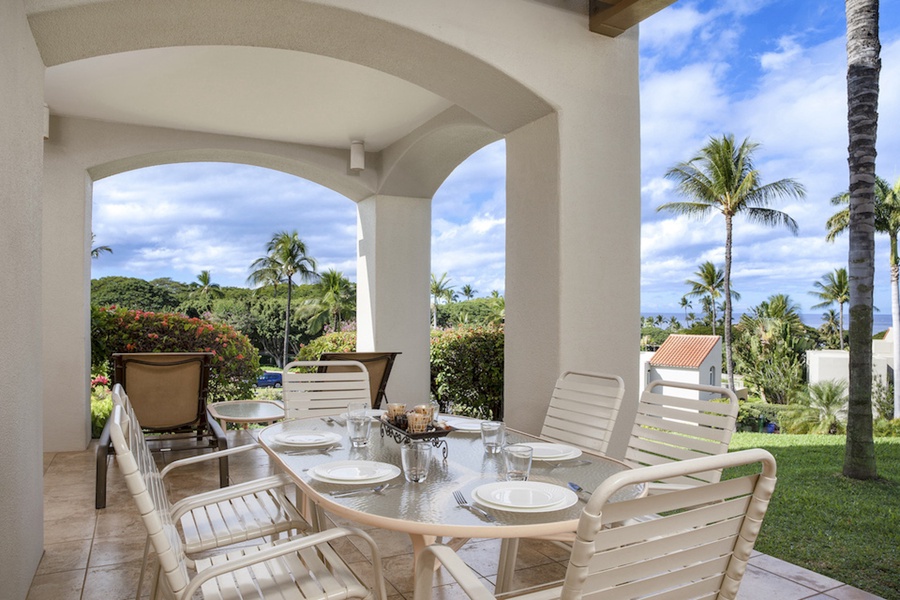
x=233 y=491
x=211 y=456
x=460 y=571
x=288 y=546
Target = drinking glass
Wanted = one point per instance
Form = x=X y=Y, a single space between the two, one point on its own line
x=415 y=458
x=359 y=422
x=517 y=458
x=493 y=434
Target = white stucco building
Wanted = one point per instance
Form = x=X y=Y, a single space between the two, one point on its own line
x=92 y=88
x=694 y=359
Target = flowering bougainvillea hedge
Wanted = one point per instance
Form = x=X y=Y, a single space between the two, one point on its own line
x=235 y=362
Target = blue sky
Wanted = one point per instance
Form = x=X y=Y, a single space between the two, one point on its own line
x=773 y=71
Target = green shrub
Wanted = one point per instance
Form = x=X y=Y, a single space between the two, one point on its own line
x=338 y=341
x=235 y=362
x=885 y=428
x=750 y=412
x=101 y=404
x=467 y=370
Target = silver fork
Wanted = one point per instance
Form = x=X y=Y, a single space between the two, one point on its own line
x=461 y=500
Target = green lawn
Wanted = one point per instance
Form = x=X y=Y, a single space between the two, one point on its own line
x=825 y=522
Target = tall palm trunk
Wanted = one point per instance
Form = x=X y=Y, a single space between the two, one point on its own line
x=863 y=66
x=729 y=362
x=895 y=320
x=841 y=323
x=287 y=323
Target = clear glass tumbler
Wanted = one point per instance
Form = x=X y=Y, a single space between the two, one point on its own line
x=416 y=459
x=517 y=458
x=493 y=435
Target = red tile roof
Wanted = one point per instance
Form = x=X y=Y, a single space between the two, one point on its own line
x=686 y=351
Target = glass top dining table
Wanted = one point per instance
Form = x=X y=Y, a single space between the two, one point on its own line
x=427 y=510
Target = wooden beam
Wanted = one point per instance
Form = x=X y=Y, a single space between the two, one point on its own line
x=613 y=17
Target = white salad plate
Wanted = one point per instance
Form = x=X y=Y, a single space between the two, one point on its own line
x=354 y=471
x=460 y=424
x=307 y=438
x=548 y=451
x=524 y=496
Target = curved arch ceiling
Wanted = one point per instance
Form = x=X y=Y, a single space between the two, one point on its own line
x=261 y=93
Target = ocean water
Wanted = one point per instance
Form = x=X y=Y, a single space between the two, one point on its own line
x=880 y=320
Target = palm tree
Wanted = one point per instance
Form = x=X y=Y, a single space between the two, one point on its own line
x=831 y=327
x=722 y=178
x=863 y=68
x=710 y=283
x=334 y=299
x=824 y=405
x=207 y=287
x=440 y=290
x=96 y=251
x=834 y=289
x=887 y=220
x=285 y=259
x=467 y=292
x=685 y=304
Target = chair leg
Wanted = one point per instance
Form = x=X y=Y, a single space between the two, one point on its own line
x=103 y=448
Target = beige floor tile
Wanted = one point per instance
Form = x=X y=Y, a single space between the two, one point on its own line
x=845 y=592
x=114 y=582
x=65 y=529
x=817 y=582
x=113 y=523
x=66 y=585
x=762 y=585
x=538 y=575
x=117 y=550
x=64 y=556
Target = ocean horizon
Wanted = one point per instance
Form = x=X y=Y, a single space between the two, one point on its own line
x=880 y=320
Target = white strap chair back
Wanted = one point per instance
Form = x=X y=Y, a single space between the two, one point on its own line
x=146 y=487
x=671 y=428
x=695 y=545
x=322 y=394
x=583 y=409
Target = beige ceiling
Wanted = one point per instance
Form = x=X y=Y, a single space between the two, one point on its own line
x=253 y=92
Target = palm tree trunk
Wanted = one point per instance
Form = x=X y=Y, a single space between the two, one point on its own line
x=895 y=323
x=287 y=323
x=841 y=323
x=729 y=362
x=863 y=66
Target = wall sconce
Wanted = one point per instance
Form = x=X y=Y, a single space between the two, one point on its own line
x=357 y=156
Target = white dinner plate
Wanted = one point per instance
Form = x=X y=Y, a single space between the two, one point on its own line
x=524 y=496
x=547 y=451
x=460 y=424
x=354 y=471
x=306 y=438
x=375 y=413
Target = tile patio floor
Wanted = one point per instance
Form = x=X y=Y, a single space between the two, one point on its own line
x=96 y=554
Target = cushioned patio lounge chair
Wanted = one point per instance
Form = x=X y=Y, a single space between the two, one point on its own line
x=301 y=567
x=378 y=364
x=168 y=391
x=697 y=546
x=671 y=428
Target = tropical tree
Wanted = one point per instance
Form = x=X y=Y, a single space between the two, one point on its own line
x=285 y=260
x=440 y=290
x=824 y=406
x=887 y=221
x=334 y=299
x=96 y=251
x=467 y=292
x=831 y=329
x=722 y=179
x=207 y=288
x=834 y=289
x=710 y=284
x=863 y=68
x=685 y=304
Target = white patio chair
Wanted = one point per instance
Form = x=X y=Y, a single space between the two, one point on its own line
x=670 y=428
x=303 y=567
x=583 y=409
x=325 y=393
x=220 y=517
x=698 y=548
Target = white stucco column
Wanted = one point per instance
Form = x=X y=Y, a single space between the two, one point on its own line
x=393 y=283
x=573 y=244
x=21 y=367
x=66 y=280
